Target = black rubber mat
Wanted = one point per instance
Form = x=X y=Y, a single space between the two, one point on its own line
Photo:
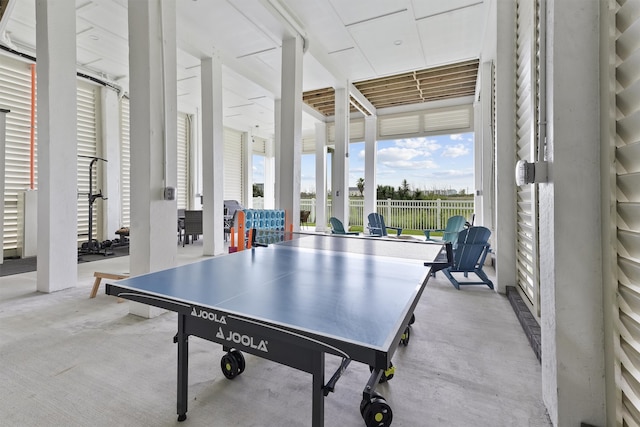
x=12 y=266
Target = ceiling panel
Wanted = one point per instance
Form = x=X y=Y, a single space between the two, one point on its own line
x=352 y=40
x=452 y=36
x=424 y=8
x=354 y=11
x=397 y=48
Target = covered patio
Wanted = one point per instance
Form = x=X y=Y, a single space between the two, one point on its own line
x=83 y=361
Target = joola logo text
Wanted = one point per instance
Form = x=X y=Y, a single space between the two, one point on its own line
x=245 y=340
x=209 y=315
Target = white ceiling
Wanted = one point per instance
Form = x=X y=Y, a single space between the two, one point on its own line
x=346 y=40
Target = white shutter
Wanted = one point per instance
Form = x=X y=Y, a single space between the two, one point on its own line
x=449 y=119
x=125 y=164
x=15 y=80
x=398 y=125
x=232 y=165
x=87 y=148
x=259 y=145
x=309 y=144
x=182 y=189
x=435 y=121
x=183 y=144
x=527 y=49
x=628 y=206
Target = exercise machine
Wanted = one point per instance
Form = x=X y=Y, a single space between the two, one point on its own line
x=93 y=246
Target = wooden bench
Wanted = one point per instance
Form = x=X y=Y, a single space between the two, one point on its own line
x=99 y=276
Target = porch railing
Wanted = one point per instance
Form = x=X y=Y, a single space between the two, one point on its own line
x=408 y=214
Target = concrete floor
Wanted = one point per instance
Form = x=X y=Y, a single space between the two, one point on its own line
x=67 y=360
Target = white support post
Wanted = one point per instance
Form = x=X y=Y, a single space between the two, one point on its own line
x=212 y=156
x=152 y=65
x=57 y=150
x=110 y=112
x=321 y=177
x=290 y=148
x=340 y=164
x=370 y=155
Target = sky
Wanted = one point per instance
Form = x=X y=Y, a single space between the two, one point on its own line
x=439 y=162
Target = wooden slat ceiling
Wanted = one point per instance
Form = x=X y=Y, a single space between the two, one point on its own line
x=449 y=81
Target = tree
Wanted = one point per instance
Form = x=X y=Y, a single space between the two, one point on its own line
x=257 y=191
x=404 y=192
x=360 y=185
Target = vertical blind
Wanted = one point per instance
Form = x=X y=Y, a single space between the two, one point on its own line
x=527 y=89
x=233 y=165
x=15 y=79
x=627 y=151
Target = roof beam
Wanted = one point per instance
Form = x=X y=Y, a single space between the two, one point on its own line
x=362 y=100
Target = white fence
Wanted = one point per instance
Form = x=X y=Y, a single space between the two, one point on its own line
x=408 y=214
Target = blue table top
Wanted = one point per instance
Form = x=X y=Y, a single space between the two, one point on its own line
x=349 y=288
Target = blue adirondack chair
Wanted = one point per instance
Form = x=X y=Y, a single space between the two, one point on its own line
x=455 y=224
x=338 y=228
x=377 y=226
x=469 y=254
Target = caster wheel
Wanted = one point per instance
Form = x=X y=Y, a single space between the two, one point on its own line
x=182 y=417
x=378 y=413
x=229 y=366
x=404 y=340
x=237 y=354
x=386 y=375
x=413 y=319
x=364 y=404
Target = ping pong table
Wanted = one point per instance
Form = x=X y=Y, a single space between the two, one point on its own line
x=294 y=302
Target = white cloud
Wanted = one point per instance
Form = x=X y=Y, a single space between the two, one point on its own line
x=456 y=137
x=423 y=144
x=393 y=154
x=455 y=151
x=410 y=165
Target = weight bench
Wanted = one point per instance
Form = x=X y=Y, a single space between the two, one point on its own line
x=99 y=276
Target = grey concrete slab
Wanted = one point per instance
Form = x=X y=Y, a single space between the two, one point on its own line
x=74 y=361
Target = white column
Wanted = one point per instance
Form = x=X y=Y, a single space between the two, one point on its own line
x=247 y=169
x=110 y=124
x=290 y=130
x=269 y=175
x=504 y=240
x=57 y=150
x=212 y=156
x=277 y=143
x=484 y=199
x=321 y=177
x=152 y=65
x=370 y=155
x=3 y=143
x=571 y=284
x=340 y=163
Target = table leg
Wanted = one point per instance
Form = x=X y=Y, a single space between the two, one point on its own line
x=183 y=368
x=317 y=412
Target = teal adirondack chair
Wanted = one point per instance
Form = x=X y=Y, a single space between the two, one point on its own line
x=338 y=228
x=455 y=224
x=469 y=254
x=377 y=226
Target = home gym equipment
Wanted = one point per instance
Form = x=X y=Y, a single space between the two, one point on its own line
x=93 y=246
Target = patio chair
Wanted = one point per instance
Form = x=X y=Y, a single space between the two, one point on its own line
x=192 y=225
x=455 y=224
x=338 y=228
x=377 y=226
x=469 y=254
